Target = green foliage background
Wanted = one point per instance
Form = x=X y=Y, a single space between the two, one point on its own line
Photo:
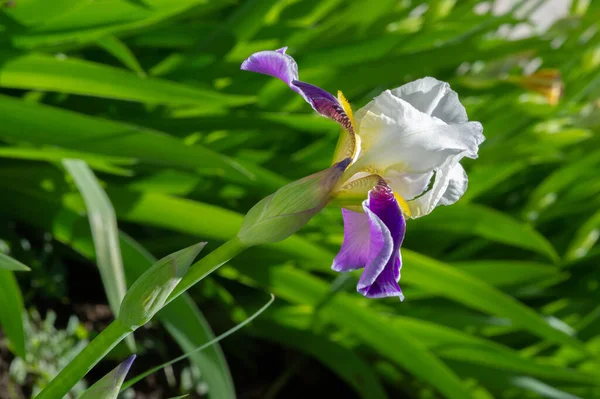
x=502 y=295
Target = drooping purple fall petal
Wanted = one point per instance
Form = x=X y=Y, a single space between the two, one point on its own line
x=282 y=66
x=372 y=240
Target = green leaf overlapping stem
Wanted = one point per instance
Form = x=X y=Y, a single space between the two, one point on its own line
x=146 y=298
x=149 y=293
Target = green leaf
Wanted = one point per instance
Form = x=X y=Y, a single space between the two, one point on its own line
x=69 y=75
x=189 y=328
x=108 y=386
x=106 y=164
x=202 y=347
x=89 y=21
x=485 y=178
x=585 y=238
x=11 y=312
x=369 y=326
x=507 y=272
x=8 y=263
x=39 y=124
x=103 y=224
x=120 y=51
x=150 y=291
x=444 y=280
x=342 y=361
x=472 y=219
x=546 y=192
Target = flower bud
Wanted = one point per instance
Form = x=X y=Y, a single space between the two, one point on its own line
x=150 y=291
x=108 y=386
x=284 y=212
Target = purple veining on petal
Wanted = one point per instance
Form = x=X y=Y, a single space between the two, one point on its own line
x=383 y=282
x=324 y=103
x=282 y=66
x=372 y=240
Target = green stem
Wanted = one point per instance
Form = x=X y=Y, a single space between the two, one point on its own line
x=207 y=265
x=85 y=360
x=116 y=331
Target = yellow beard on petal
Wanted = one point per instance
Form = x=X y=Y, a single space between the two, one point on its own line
x=349 y=142
x=347 y=108
x=403 y=204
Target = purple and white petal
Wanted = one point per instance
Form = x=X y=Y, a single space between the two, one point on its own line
x=378 y=280
x=282 y=66
x=415 y=132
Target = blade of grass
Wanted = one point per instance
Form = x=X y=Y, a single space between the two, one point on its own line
x=70 y=75
x=200 y=348
x=371 y=328
x=103 y=224
x=11 y=312
x=472 y=219
x=120 y=51
x=44 y=125
x=8 y=263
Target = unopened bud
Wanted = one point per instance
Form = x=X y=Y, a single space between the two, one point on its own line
x=108 y=387
x=284 y=212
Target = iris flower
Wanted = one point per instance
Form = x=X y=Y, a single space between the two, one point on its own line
x=405 y=148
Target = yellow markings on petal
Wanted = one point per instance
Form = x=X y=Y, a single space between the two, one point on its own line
x=348 y=145
x=403 y=204
x=346 y=106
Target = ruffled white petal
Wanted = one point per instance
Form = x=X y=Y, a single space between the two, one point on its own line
x=414 y=135
x=457 y=185
x=434 y=98
x=393 y=132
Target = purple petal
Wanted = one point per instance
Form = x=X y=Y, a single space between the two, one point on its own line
x=273 y=63
x=386 y=283
x=324 y=103
x=372 y=240
x=357 y=249
x=280 y=65
x=377 y=282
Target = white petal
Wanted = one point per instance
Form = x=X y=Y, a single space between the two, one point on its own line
x=433 y=97
x=393 y=132
x=449 y=185
x=408 y=185
x=428 y=201
x=457 y=185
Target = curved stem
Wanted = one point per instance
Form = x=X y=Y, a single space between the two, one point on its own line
x=207 y=265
